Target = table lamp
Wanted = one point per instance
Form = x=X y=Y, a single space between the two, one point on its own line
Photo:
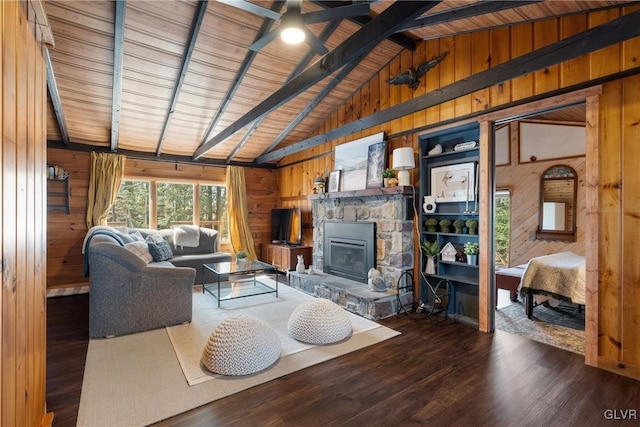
x=403 y=161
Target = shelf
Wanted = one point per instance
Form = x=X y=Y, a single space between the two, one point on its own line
x=455 y=278
x=403 y=190
x=458 y=264
x=450 y=214
x=449 y=153
x=437 y=233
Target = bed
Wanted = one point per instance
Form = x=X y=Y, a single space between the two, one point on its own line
x=559 y=276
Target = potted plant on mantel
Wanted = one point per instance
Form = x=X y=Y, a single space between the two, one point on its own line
x=241 y=257
x=389 y=177
x=471 y=250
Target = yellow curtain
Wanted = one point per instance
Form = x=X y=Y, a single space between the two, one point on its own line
x=104 y=183
x=241 y=238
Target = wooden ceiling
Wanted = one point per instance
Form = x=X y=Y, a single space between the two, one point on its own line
x=176 y=78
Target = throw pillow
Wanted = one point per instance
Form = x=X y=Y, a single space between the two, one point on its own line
x=136 y=236
x=160 y=251
x=155 y=238
x=141 y=249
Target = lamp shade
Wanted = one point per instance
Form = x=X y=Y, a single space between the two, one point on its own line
x=292 y=25
x=403 y=159
x=402 y=162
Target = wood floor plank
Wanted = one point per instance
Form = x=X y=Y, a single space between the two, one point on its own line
x=443 y=375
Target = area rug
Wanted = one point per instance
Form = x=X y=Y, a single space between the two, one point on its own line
x=138 y=380
x=561 y=327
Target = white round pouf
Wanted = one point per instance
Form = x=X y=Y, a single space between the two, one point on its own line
x=241 y=344
x=319 y=321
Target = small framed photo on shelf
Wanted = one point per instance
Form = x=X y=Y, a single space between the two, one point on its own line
x=454 y=183
x=334 y=181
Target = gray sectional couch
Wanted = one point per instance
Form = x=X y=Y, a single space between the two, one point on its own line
x=127 y=294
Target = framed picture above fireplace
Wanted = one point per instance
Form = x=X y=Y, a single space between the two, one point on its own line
x=353 y=159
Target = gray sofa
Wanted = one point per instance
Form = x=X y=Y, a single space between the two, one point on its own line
x=128 y=294
x=207 y=251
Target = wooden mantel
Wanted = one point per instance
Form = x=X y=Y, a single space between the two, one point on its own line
x=382 y=191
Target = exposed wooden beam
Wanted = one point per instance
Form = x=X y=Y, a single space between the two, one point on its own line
x=599 y=37
x=54 y=94
x=118 y=56
x=385 y=24
x=145 y=155
x=196 y=22
x=242 y=72
x=467 y=11
x=398 y=38
x=323 y=37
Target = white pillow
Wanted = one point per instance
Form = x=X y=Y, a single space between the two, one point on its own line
x=141 y=249
x=155 y=238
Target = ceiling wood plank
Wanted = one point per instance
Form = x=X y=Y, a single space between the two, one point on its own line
x=198 y=16
x=54 y=94
x=118 y=56
x=385 y=24
x=242 y=72
x=607 y=34
x=327 y=31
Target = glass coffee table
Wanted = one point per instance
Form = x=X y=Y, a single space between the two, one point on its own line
x=251 y=285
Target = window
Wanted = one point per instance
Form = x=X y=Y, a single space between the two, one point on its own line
x=174 y=204
x=213 y=209
x=131 y=208
x=502 y=233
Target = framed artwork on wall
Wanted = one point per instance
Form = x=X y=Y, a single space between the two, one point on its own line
x=352 y=158
x=334 y=181
x=376 y=164
x=454 y=183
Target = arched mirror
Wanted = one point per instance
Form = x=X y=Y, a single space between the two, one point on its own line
x=558 y=199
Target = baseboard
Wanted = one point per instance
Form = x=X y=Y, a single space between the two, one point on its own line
x=67 y=291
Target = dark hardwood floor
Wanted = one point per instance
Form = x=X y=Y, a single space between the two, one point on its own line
x=445 y=375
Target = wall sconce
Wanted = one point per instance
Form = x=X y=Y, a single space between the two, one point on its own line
x=403 y=161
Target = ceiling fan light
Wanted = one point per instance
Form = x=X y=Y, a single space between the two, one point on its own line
x=292 y=35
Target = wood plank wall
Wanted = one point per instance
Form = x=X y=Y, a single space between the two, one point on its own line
x=619 y=313
x=22 y=217
x=66 y=232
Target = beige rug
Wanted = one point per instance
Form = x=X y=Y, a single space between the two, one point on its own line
x=137 y=379
x=189 y=340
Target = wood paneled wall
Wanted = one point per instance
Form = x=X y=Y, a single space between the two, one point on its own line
x=66 y=232
x=22 y=217
x=619 y=204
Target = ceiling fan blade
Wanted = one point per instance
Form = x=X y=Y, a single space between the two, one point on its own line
x=262 y=42
x=339 y=12
x=250 y=7
x=315 y=42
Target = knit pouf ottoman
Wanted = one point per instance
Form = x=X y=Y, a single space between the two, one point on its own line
x=319 y=321
x=241 y=344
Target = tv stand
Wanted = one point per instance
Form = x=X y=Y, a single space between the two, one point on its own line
x=285 y=256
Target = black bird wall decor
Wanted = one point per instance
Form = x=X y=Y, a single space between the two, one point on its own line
x=412 y=77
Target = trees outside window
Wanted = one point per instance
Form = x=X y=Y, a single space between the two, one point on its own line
x=174 y=203
x=502 y=227
x=131 y=208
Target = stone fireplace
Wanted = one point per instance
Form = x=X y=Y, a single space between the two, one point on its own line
x=391 y=210
x=366 y=229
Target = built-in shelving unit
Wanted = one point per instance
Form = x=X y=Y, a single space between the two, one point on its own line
x=458 y=280
x=58 y=194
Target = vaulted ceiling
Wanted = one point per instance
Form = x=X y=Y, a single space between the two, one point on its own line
x=177 y=78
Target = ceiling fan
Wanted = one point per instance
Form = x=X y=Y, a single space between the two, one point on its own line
x=293 y=22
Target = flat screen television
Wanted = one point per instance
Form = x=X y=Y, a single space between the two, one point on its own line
x=286 y=226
